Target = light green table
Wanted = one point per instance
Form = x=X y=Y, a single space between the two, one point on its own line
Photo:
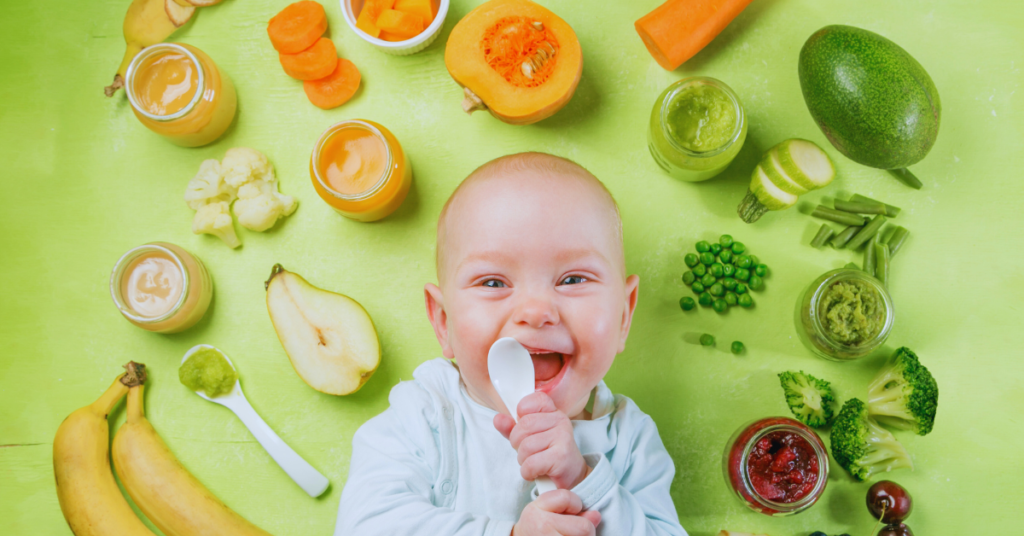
x=84 y=182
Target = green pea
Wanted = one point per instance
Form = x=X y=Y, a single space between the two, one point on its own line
x=725 y=256
x=720 y=306
x=754 y=260
x=728 y=270
x=716 y=270
x=691 y=259
x=742 y=261
x=738 y=247
x=737 y=347
x=708 y=279
x=742 y=274
x=716 y=248
x=705 y=299
x=725 y=240
x=717 y=289
x=730 y=298
x=755 y=283
x=697 y=287
x=761 y=270
x=707 y=339
x=700 y=270
x=741 y=288
x=746 y=301
x=707 y=258
x=687 y=303
x=729 y=283
x=703 y=246
x=688 y=277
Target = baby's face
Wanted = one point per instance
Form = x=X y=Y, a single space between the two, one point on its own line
x=539 y=261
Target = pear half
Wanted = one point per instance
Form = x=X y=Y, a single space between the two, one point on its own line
x=328 y=337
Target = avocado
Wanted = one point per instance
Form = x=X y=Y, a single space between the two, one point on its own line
x=872 y=99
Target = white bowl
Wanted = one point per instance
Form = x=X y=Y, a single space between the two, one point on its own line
x=351 y=9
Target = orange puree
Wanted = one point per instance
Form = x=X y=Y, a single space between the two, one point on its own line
x=353 y=160
x=166 y=83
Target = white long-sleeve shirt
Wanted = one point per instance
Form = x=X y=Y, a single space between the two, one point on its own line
x=433 y=464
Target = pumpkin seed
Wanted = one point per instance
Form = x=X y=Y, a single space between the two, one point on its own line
x=527 y=69
x=538 y=25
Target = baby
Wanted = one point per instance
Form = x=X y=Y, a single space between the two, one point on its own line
x=529 y=246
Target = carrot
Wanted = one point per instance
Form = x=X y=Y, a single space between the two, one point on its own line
x=336 y=89
x=314 y=63
x=678 y=29
x=400 y=24
x=297 y=27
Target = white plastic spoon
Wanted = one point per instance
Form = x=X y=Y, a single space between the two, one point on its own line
x=308 y=478
x=511 y=370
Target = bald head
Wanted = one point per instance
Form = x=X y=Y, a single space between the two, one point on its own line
x=529 y=180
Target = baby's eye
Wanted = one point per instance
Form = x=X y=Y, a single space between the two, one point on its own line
x=494 y=283
x=573 y=280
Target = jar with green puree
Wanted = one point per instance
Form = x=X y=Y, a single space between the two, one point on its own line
x=845 y=314
x=697 y=128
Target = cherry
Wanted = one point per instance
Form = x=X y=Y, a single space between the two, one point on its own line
x=889 y=501
x=896 y=530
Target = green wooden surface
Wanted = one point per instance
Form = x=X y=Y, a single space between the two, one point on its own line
x=84 y=181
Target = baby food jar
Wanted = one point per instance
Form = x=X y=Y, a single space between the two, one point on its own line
x=160 y=287
x=845 y=314
x=776 y=466
x=360 y=170
x=697 y=128
x=178 y=92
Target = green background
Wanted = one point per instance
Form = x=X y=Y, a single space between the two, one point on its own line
x=84 y=182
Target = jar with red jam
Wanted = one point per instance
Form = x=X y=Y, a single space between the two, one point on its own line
x=777 y=466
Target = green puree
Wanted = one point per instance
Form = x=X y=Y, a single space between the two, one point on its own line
x=206 y=370
x=701 y=118
x=854 y=312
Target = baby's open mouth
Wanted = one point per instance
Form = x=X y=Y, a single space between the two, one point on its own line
x=546 y=366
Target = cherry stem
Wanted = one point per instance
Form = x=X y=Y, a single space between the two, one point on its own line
x=879 y=522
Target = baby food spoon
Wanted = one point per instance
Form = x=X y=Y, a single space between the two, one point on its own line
x=308 y=478
x=511 y=370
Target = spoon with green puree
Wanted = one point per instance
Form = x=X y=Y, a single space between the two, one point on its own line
x=208 y=371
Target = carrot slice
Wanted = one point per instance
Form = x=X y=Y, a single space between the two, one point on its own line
x=423 y=8
x=314 y=63
x=399 y=23
x=297 y=27
x=336 y=89
x=679 y=29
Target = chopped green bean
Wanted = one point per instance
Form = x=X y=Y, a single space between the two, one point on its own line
x=830 y=214
x=707 y=339
x=896 y=240
x=869 y=255
x=860 y=207
x=725 y=240
x=823 y=235
x=839 y=241
x=737 y=347
x=882 y=263
x=691 y=259
x=867 y=232
x=699 y=270
x=705 y=299
x=688 y=277
x=703 y=246
x=687 y=303
x=890 y=210
x=720 y=306
x=908 y=178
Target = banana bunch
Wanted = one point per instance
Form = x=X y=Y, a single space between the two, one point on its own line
x=177 y=503
x=149 y=22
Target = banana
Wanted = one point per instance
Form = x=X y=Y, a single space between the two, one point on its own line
x=177 y=503
x=147 y=23
x=88 y=495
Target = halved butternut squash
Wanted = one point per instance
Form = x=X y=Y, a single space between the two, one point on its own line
x=515 y=59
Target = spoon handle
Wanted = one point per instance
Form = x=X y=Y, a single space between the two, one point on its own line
x=308 y=478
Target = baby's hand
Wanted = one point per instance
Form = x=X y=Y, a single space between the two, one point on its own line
x=556 y=513
x=544 y=441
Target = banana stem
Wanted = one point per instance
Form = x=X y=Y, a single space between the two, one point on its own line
x=110 y=398
x=136 y=412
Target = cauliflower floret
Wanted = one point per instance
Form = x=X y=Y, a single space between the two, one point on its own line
x=260 y=205
x=215 y=219
x=242 y=164
x=208 y=186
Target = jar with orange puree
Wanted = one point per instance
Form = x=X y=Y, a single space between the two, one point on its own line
x=359 y=169
x=178 y=92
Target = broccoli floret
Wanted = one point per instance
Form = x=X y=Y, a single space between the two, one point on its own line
x=809 y=398
x=904 y=394
x=861 y=446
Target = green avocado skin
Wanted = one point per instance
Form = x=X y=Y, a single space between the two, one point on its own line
x=872 y=99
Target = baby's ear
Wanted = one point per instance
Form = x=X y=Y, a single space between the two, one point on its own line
x=632 y=293
x=438 y=317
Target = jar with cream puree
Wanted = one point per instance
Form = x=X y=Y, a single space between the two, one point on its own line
x=161 y=287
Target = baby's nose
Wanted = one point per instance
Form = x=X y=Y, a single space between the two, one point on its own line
x=536 y=312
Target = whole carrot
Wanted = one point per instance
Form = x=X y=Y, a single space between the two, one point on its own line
x=679 y=29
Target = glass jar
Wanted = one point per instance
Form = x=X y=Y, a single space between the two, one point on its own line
x=812 y=322
x=204 y=117
x=681 y=159
x=193 y=299
x=810 y=451
x=384 y=192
